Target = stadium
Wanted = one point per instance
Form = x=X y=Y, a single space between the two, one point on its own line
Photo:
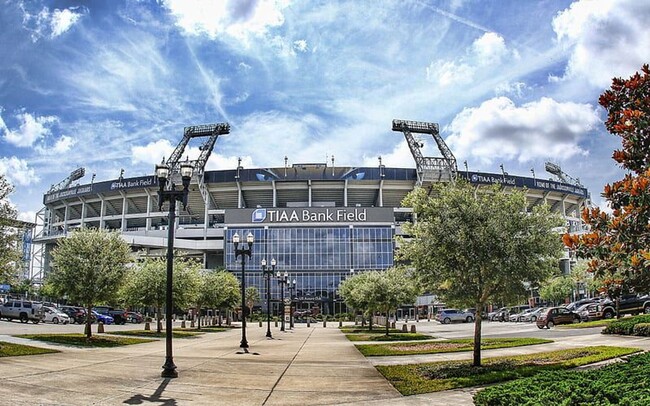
x=320 y=222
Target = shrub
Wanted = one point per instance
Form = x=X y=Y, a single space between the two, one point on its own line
x=642 y=329
x=626 y=326
x=621 y=383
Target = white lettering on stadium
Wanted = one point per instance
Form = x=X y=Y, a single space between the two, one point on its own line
x=309 y=216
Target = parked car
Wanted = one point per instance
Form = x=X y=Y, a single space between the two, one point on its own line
x=54 y=315
x=556 y=315
x=534 y=314
x=103 y=318
x=118 y=315
x=573 y=306
x=492 y=316
x=520 y=316
x=76 y=314
x=23 y=310
x=134 y=317
x=446 y=316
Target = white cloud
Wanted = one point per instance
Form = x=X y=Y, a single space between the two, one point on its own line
x=152 y=153
x=29 y=216
x=488 y=50
x=515 y=88
x=300 y=45
x=17 y=171
x=31 y=129
x=606 y=39
x=542 y=129
x=239 y=19
x=46 y=23
x=63 y=144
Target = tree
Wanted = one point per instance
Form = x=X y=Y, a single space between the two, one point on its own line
x=252 y=297
x=392 y=288
x=617 y=243
x=147 y=283
x=10 y=255
x=355 y=291
x=229 y=292
x=89 y=266
x=556 y=289
x=473 y=247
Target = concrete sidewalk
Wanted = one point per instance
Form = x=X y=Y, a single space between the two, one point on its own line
x=306 y=366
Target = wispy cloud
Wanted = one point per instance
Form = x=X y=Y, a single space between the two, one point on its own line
x=43 y=23
x=31 y=128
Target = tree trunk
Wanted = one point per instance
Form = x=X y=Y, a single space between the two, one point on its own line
x=198 y=306
x=370 y=322
x=387 y=322
x=158 y=318
x=219 y=315
x=477 y=335
x=89 y=319
x=618 y=307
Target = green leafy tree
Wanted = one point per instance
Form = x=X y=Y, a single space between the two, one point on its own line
x=617 y=243
x=147 y=283
x=10 y=255
x=89 y=267
x=473 y=247
x=229 y=292
x=392 y=288
x=556 y=289
x=355 y=292
x=216 y=289
x=252 y=297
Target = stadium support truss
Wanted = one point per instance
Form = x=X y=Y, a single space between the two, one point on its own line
x=429 y=169
x=212 y=131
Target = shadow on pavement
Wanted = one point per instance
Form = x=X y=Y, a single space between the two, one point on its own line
x=154 y=398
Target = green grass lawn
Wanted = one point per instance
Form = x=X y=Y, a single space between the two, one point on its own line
x=365 y=330
x=208 y=329
x=186 y=333
x=13 y=350
x=391 y=337
x=587 y=324
x=433 y=377
x=465 y=344
x=79 y=340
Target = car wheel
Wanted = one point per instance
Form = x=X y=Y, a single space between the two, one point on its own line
x=550 y=324
x=576 y=319
x=646 y=309
x=23 y=318
x=134 y=320
x=36 y=321
x=608 y=314
x=447 y=320
x=540 y=327
x=55 y=320
x=469 y=319
x=533 y=319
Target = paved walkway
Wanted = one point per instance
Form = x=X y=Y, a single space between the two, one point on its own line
x=307 y=366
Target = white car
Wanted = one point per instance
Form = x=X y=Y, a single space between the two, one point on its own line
x=54 y=315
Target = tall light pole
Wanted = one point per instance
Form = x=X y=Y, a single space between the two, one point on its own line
x=171 y=195
x=282 y=280
x=292 y=287
x=268 y=273
x=243 y=253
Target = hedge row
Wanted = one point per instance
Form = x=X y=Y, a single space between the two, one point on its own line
x=626 y=325
x=624 y=383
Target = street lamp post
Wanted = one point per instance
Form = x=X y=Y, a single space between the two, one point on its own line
x=282 y=280
x=244 y=252
x=292 y=287
x=171 y=195
x=268 y=273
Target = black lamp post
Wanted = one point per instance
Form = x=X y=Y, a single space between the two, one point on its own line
x=268 y=273
x=282 y=280
x=291 y=285
x=243 y=253
x=171 y=195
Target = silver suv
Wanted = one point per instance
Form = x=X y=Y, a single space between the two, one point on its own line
x=23 y=310
x=446 y=316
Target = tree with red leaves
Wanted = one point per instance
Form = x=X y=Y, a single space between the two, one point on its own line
x=618 y=244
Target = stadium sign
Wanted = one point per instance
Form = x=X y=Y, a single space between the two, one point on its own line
x=310 y=215
x=521 y=182
x=101 y=187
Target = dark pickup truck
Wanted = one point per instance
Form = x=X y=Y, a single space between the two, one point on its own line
x=629 y=304
x=119 y=315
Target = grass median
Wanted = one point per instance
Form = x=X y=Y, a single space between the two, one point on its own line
x=456 y=345
x=586 y=324
x=437 y=376
x=80 y=340
x=15 y=350
x=154 y=334
x=391 y=337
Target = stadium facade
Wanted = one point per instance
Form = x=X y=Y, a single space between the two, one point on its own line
x=321 y=223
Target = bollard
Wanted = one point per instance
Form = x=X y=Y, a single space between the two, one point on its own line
x=100 y=327
x=412 y=328
x=308 y=322
x=160 y=325
x=147 y=326
x=324 y=323
x=192 y=323
x=392 y=324
x=404 y=328
x=260 y=323
x=276 y=322
x=183 y=324
x=340 y=323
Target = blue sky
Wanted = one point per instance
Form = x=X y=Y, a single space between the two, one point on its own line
x=110 y=85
